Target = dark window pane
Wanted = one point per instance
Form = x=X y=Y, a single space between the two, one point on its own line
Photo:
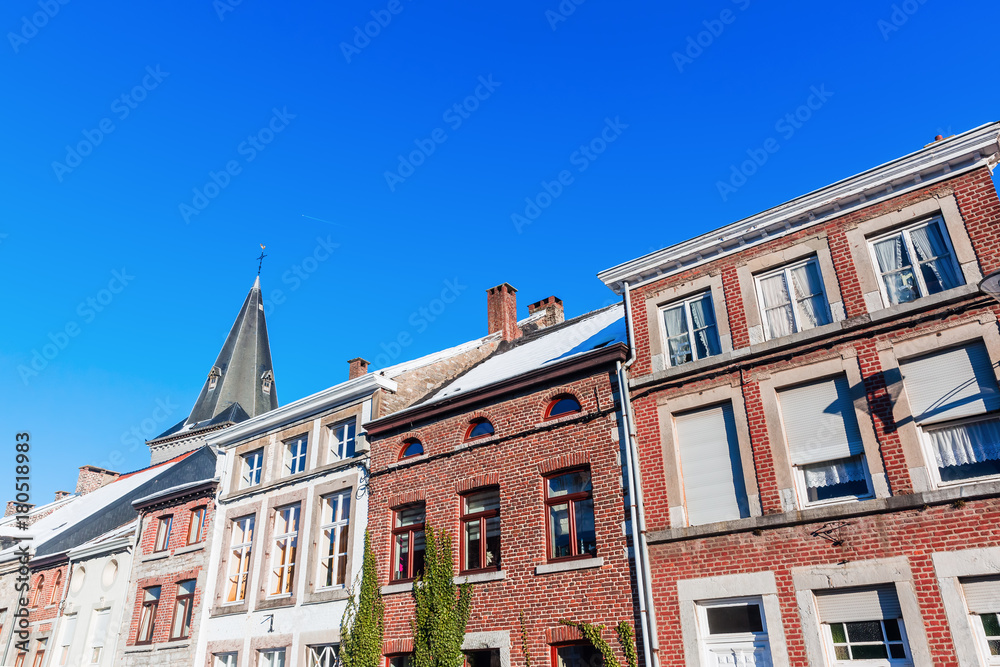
x=994 y=646
x=892 y=630
x=489 y=658
x=493 y=542
x=867 y=631
x=586 y=537
x=418 y=553
x=480 y=429
x=578 y=656
x=991 y=624
x=897 y=651
x=559 y=530
x=413 y=449
x=868 y=651
x=472 y=543
x=831 y=491
x=564 y=406
x=740 y=618
x=969 y=470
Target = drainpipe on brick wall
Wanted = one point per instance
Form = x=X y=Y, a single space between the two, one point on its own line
x=644 y=579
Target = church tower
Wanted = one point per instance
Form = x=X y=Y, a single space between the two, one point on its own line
x=240 y=385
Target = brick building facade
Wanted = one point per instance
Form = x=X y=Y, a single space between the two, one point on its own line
x=815 y=392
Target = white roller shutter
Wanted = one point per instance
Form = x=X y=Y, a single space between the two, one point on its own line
x=858 y=604
x=101 y=624
x=819 y=422
x=982 y=595
x=710 y=466
x=947 y=385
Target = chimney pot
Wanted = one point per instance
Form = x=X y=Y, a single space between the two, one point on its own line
x=62 y=494
x=938 y=138
x=501 y=311
x=92 y=478
x=358 y=367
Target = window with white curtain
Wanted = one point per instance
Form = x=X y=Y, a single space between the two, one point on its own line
x=824 y=441
x=792 y=299
x=954 y=398
x=915 y=261
x=864 y=625
x=691 y=330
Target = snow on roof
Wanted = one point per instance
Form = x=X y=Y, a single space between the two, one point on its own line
x=587 y=332
x=40 y=509
x=433 y=357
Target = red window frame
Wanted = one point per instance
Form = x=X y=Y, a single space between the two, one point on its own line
x=407 y=659
x=411 y=531
x=480 y=518
x=54 y=593
x=149 y=607
x=187 y=600
x=39 y=588
x=406 y=445
x=169 y=520
x=39 y=658
x=197 y=518
x=555 y=651
x=570 y=499
x=475 y=423
x=556 y=400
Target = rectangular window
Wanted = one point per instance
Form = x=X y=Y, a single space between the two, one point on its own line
x=19 y=660
x=335 y=515
x=183 y=608
x=66 y=638
x=102 y=621
x=224 y=659
x=916 y=261
x=792 y=299
x=295 y=455
x=408 y=542
x=239 y=558
x=864 y=624
x=569 y=501
x=691 y=331
x=323 y=655
x=251 y=465
x=196 y=525
x=272 y=657
x=576 y=655
x=484 y=658
x=40 y=653
x=711 y=468
x=481 y=530
x=954 y=398
x=342 y=441
x=147 y=614
x=733 y=632
x=286 y=539
x=403 y=660
x=824 y=441
x=982 y=595
x=163 y=528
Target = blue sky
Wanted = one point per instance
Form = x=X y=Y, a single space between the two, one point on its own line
x=165 y=141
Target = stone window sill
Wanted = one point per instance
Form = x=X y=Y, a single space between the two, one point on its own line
x=197 y=546
x=390 y=589
x=570 y=565
x=156 y=555
x=481 y=577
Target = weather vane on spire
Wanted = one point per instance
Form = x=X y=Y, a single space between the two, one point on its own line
x=260 y=260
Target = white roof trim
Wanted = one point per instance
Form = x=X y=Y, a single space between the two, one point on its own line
x=304 y=407
x=938 y=161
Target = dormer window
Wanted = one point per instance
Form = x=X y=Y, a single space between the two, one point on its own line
x=266 y=380
x=213 y=377
x=479 y=428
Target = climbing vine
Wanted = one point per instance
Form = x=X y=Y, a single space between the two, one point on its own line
x=524 y=640
x=626 y=637
x=442 y=608
x=363 y=624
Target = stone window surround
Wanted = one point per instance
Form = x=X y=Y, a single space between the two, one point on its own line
x=667 y=407
x=843 y=362
x=944 y=205
x=498 y=640
x=263 y=597
x=674 y=293
x=219 y=608
x=237 y=464
x=750 y=584
x=310 y=541
x=949 y=566
x=980 y=328
x=873 y=572
x=814 y=247
x=306 y=639
x=283 y=438
x=323 y=434
x=270 y=641
x=223 y=646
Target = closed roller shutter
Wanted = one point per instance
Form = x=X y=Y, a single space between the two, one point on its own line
x=982 y=594
x=819 y=422
x=948 y=385
x=858 y=604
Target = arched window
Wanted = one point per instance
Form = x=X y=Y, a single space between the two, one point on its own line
x=411 y=447
x=39 y=586
x=54 y=595
x=479 y=428
x=562 y=405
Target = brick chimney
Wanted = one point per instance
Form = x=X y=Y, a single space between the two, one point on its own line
x=358 y=367
x=553 y=307
x=62 y=494
x=92 y=478
x=12 y=507
x=501 y=311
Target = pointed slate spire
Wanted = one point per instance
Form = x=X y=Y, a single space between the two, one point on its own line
x=242 y=374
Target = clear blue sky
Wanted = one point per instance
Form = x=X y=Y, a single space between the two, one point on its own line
x=206 y=84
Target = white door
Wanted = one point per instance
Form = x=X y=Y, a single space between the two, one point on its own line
x=757 y=654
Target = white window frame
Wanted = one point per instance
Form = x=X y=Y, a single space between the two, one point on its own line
x=283 y=560
x=977 y=627
x=706 y=640
x=908 y=243
x=686 y=303
x=96 y=648
x=164 y=528
x=240 y=567
x=322 y=655
x=786 y=272
x=928 y=449
x=295 y=456
x=803 y=491
x=889 y=662
x=66 y=638
x=251 y=468
x=340 y=434
x=226 y=659
x=266 y=657
x=336 y=527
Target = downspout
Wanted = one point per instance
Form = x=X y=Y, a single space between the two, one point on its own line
x=61 y=615
x=644 y=579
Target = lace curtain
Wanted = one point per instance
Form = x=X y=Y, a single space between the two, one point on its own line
x=777 y=306
x=703 y=322
x=892 y=259
x=831 y=473
x=962 y=444
x=935 y=260
x=809 y=294
x=677 y=338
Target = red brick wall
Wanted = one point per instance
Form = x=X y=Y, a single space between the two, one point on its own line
x=182 y=521
x=45 y=611
x=165 y=610
x=523 y=446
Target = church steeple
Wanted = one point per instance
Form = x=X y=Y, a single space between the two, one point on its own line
x=242 y=374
